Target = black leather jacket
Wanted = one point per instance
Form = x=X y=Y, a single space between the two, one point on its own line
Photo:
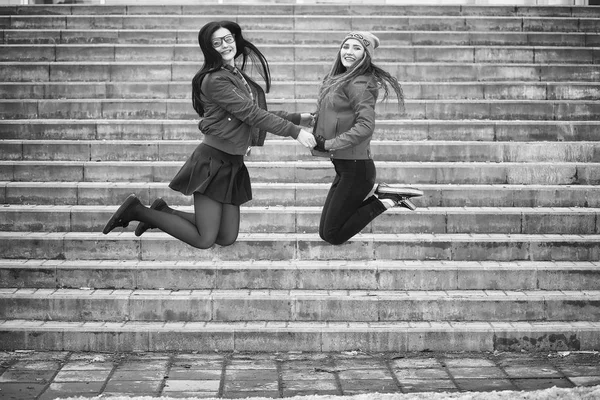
x=230 y=114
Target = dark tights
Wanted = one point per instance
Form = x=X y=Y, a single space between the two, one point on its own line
x=210 y=223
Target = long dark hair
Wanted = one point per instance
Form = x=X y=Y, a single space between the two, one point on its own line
x=339 y=75
x=213 y=60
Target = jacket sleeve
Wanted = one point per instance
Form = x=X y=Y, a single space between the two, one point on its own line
x=228 y=96
x=294 y=118
x=362 y=100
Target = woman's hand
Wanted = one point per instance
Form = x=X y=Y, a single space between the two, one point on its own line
x=307 y=119
x=320 y=143
x=306 y=139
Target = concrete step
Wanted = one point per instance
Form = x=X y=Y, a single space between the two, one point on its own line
x=565 y=110
x=289 y=150
x=236 y=305
x=546 y=173
x=299 y=52
x=305 y=90
x=276 y=8
x=298 y=36
x=157 y=71
x=297 y=246
x=265 y=19
x=405 y=129
x=256 y=219
x=299 y=336
x=424 y=275
x=270 y=194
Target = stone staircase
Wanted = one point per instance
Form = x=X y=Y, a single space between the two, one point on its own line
x=501 y=131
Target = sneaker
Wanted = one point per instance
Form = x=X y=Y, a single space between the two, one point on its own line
x=158 y=205
x=383 y=189
x=399 y=201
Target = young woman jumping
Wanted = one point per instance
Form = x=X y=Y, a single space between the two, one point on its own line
x=233 y=109
x=345 y=122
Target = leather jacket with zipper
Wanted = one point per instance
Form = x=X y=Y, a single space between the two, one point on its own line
x=230 y=113
x=347 y=120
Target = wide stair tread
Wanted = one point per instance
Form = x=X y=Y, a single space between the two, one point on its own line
x=383 y=274
x=299 y=336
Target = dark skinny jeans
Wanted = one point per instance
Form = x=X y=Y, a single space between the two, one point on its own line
x=346 y=212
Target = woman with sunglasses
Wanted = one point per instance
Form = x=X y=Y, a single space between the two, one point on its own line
x=234 y=117
x=344 y=126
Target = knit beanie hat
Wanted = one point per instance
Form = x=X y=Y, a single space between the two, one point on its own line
x=369 y=41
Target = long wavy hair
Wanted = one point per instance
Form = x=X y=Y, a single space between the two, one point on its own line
x=213 y=61
x=339 y=75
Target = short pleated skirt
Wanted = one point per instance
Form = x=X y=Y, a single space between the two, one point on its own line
x=218 y=175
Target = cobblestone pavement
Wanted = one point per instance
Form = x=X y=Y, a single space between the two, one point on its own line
x=48 y=375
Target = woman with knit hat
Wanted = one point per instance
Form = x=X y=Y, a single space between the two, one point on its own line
x=344 y=126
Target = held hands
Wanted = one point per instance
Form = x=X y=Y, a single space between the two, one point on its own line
x=320 y=143
x=307 y=119
x=306 y=139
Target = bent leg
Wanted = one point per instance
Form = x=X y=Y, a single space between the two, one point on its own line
x=229 y=223
x=229 y=226
x=201 y=234
x=348 y=212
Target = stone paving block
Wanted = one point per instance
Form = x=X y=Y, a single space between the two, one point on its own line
x=415 y=363
x=147 y=365
x=71 y=389
x=191 y=394
x=308 y=374
x=202 y=361
x=88 y=365
x=427 y=385
x=542 y=383
x=307 y=386
x=368 y=386
x=267 y=375
x=82 y=376
x=18 y=391
x=273 y=394
x=194 y=374
x=262 y=385
x=580 y=370
x=143 y=375
x=133 y=387
x=173 y=385
x=534 y=371
x=369 y=374
x=585 y=380
x=16 y=375
x=484 y=385
x=488 y=373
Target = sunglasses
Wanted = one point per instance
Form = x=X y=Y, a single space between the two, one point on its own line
x=218 y=42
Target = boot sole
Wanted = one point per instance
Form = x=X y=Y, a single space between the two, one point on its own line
x=113 y=221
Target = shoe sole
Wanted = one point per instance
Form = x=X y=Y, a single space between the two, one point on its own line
x=400 y=191
x=110 y=225
x=407 y=204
